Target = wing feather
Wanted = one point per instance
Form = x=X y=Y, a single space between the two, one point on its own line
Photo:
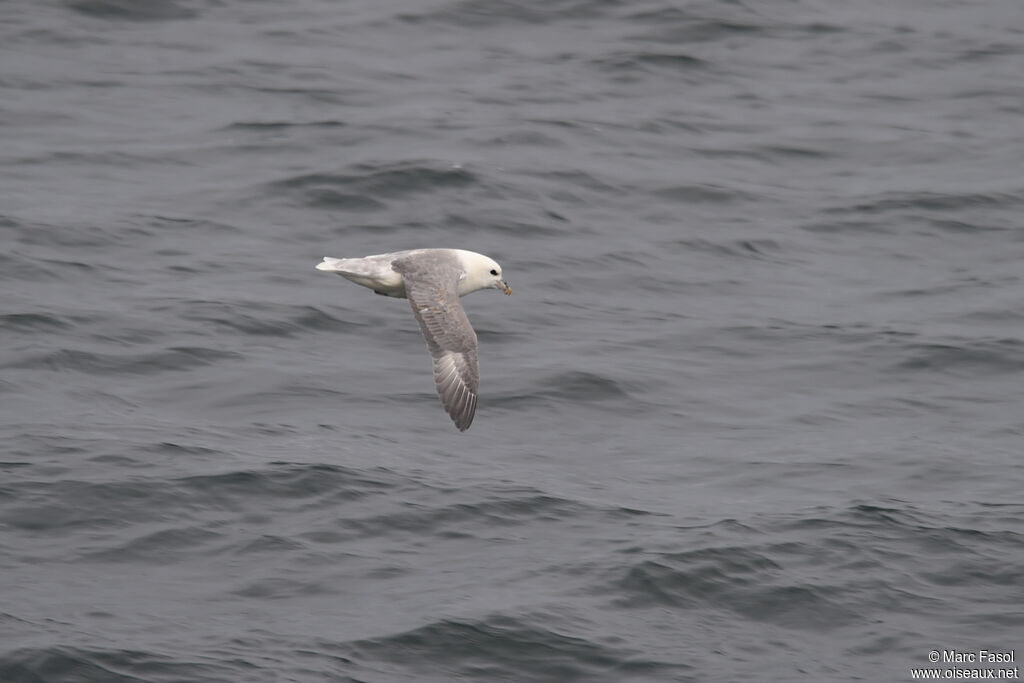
x=451 y=340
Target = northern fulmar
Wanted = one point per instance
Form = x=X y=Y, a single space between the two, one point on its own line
x=433 y=280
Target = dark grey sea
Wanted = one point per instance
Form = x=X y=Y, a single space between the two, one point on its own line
x=755 y=411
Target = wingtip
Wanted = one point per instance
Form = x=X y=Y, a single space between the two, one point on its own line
x=462 y=415
x=464 y=419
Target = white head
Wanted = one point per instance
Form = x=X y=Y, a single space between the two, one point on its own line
x=482 y=272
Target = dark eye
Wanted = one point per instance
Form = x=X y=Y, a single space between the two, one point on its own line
x=494 y=272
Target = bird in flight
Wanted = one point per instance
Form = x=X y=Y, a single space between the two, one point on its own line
x=433 y=280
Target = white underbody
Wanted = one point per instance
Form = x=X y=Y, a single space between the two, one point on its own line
x=375 y=272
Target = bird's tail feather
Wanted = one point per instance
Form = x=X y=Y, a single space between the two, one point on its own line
x=330 y=264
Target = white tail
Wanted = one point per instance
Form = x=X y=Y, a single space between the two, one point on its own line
x=330 y=264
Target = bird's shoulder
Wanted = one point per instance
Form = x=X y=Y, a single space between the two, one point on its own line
x=436 y=266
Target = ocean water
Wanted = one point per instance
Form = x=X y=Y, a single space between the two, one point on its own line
x=754 y=411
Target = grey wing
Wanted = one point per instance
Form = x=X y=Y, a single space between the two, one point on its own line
x=450 y=337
